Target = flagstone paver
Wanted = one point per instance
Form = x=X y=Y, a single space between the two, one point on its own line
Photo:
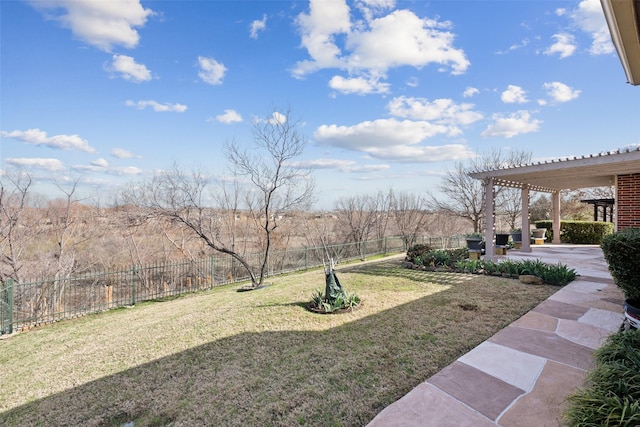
x=479 y=390
x=523 y=374
x=511 y=366
x=543 y=405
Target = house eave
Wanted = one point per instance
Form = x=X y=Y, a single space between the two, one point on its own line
x=623 y=19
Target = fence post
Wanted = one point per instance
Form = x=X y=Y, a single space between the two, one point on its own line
x=213 y=275
x=133 y=285
x=306 y=257
x=385 y=246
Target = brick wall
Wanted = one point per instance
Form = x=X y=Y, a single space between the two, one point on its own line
x=628 y=201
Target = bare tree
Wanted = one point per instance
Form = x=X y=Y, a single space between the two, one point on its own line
x=408 y=214
x=357 y=216
x=280 y=184
x=465 y=196
x=14 y=192
x=269 y=184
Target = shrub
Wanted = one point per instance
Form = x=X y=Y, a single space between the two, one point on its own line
x=579 y=232
x=439 y=258
x=424 y=255
x=418 y=251
x=612 y=394
x=622 y=252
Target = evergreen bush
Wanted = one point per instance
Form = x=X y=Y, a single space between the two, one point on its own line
x=622 y=252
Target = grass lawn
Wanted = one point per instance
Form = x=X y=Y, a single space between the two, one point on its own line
x=228 y=358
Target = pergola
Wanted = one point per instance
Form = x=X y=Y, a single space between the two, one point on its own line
x=597 y=170
x=607 y=206
x=623 y=20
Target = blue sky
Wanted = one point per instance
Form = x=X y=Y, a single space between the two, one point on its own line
x=390 y=93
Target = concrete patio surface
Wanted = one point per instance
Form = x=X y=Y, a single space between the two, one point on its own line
x=523 y=374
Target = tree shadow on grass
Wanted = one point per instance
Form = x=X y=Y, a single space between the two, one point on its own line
x=394 y=268
x=341 y=376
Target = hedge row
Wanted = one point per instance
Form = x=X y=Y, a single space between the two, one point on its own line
x=578 y=232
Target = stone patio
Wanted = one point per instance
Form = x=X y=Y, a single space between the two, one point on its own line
x=523 y=374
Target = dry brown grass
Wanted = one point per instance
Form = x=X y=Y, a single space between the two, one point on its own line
x=256 y=358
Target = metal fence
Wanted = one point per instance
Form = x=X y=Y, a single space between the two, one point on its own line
x=24 y=305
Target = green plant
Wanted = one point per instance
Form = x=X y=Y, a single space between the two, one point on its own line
x=458 y=254
x=489 y=267
x=578 y=232
x=441 y=258
x=509 y=267
x=558 y=274
x=532 y=267
x=622 y=252
x=612 y=394
x=317 y=298
x=419 y=250
x=342 y=300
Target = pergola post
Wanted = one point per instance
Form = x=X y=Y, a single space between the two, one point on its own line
x=556 y=216
x=526 y=229
x=489 y=218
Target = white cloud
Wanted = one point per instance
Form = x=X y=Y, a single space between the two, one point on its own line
x=156 y=106
x=347 y=166
x=121 y=153
x=275 y=119
x=440 y=111
x=470 y=91
x=514 y=95
x=369 y=8
x=211 y=71
x=256 y=26
x=560 y=92
x=102 y=166
x=564 y=46
x=60 y=142
x=358 y=85
x=325 y=20
x=402 y=38
x=103 y=24
x=513 y=47
x=88 y=168
x=368 y=135
x=371 y=46
x=129 y=69
x=414 y=154
x=512 y=125
x=412 y=82
x=229 y=116
x=589 y=17
x=127 y=170
x=101 y=163
x=392 y=140
x=51 y=165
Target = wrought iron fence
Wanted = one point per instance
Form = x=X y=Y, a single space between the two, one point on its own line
x=28 y=304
